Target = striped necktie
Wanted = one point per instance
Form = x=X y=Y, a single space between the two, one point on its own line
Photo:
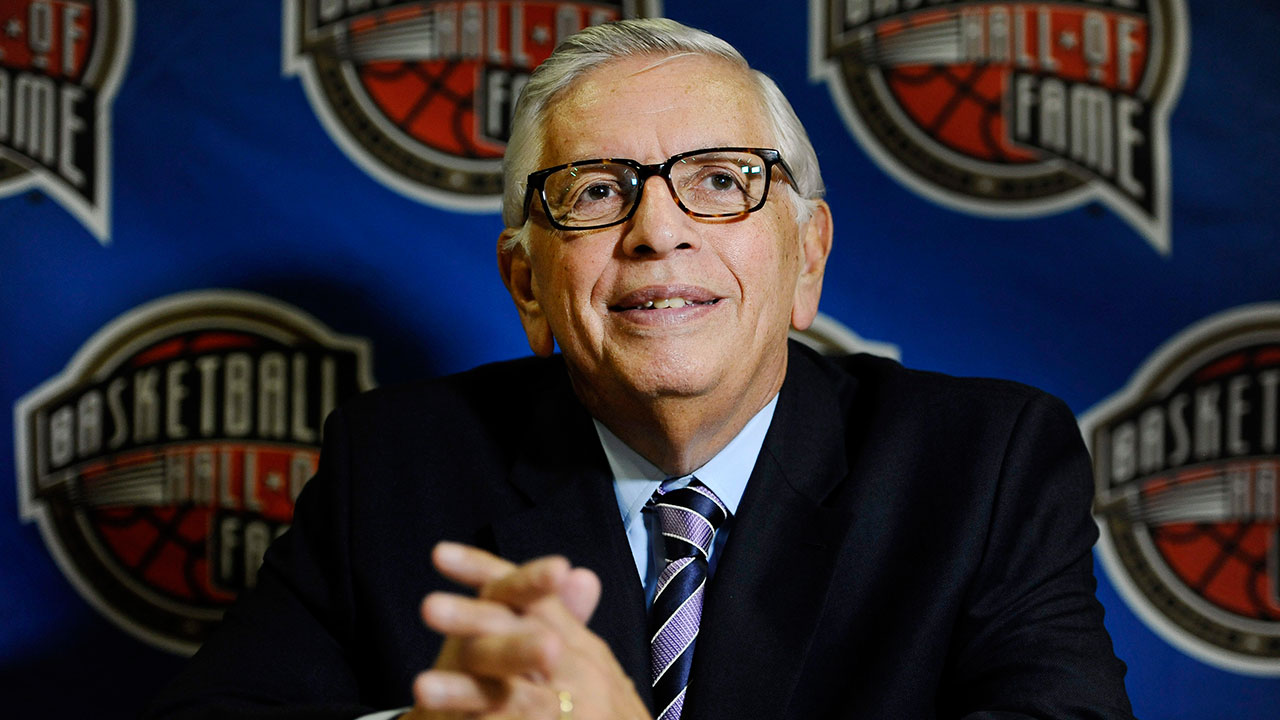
x=689 y=518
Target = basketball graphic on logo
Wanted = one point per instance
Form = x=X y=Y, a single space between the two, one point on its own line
x=433 y=102
x=1228 y=563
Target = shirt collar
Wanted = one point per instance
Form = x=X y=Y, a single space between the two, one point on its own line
x=636 y=479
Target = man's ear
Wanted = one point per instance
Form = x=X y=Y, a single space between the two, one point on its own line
x=517 y=274
x=815 y=247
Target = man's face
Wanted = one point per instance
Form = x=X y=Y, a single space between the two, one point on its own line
x=740 y=280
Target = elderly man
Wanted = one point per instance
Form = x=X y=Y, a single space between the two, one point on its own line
x=682 y=515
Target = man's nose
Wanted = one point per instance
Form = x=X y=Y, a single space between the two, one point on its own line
x=658 y=227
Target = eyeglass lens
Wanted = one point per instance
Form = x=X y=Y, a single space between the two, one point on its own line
x=711 y=184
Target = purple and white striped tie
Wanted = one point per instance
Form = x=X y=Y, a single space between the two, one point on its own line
x=689 y=517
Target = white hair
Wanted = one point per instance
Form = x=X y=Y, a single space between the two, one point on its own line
x=662 y=38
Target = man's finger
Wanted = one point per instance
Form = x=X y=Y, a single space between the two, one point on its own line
x=568 y=611
x=580 y=592
x=450 y=614
x=443 y=691
x=528 y=583
x=468 y=565
x=533 y=653
x=439 y=691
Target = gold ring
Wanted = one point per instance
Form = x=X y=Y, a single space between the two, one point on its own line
x=566 y=705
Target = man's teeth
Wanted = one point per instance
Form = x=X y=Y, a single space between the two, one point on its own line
x=666 y=303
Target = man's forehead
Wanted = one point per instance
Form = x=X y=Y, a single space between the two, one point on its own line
x=656 y=107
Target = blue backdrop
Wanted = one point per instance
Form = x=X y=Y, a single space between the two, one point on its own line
x=338 y=181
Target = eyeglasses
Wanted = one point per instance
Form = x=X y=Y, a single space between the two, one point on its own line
x=723 y=183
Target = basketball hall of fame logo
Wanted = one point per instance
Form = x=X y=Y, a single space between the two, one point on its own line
x=419 y=93
x=1012 y=109
x=60 y=66
x=1186 y=459
x=167 y=455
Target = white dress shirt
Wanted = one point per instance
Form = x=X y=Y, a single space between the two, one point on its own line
x=635 y=480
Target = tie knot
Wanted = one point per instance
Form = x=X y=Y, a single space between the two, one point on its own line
x=689 y=517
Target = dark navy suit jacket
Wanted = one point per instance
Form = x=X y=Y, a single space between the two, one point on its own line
x=910 y=545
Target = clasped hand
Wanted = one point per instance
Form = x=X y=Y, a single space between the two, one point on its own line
x=520 y=648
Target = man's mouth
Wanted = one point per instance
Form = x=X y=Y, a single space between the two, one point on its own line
x=663 y=304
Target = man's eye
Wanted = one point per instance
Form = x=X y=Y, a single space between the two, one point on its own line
x=595 y=199
x=721 y=181
x=598 y=192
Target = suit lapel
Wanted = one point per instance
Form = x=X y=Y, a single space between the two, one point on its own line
x=769 y=589
x=563 y=473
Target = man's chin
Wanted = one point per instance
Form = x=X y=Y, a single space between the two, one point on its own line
x=656 y=382
x=652 y=377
